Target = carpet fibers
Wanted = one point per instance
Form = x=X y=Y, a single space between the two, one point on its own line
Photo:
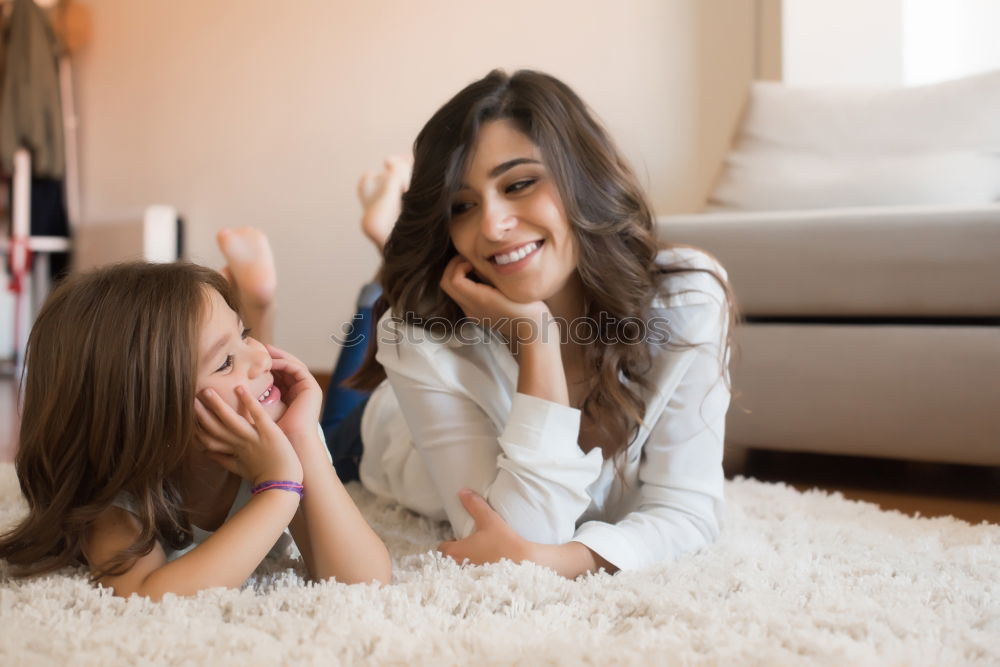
x=796 y=578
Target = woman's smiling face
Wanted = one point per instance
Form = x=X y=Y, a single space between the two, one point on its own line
x=508 y=219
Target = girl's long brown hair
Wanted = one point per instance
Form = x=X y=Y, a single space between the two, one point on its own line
x=608 y=212
x=109 y=410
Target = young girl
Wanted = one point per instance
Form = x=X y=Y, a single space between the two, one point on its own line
x=557 y=383
x=168 y=450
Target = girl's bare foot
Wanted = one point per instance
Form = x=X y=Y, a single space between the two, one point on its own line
x=381 y=195
x=250 y=269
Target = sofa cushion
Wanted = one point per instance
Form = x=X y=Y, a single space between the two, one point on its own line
x=919 y=392
x=767 y=180
x=921 y=262
x=818 y=147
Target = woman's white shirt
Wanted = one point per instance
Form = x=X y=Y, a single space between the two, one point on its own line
x=450 y=417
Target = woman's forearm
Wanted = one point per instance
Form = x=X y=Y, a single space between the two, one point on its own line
x=569 y=560
x=540 y=366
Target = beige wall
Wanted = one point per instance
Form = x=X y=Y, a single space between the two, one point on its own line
x=767 y=35
x=948 y=40
x=843 y=43
x=264 y=113
x=891 y=42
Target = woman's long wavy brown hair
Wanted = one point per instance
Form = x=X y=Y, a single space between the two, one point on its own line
x=607 y=210
x=109 y=410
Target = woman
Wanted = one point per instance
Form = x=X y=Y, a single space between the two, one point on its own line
x=540 y=349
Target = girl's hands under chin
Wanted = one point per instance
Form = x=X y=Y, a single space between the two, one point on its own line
x=247 y=443
x=487 y=305
x=299 y=391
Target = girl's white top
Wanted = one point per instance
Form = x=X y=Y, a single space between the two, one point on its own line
x=198 y=535
x=282 y=547
x=450 y=417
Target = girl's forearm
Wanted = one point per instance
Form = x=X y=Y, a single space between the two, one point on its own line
x=339 y=541
x=230 y=555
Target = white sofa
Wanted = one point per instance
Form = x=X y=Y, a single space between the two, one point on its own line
x=861 y=232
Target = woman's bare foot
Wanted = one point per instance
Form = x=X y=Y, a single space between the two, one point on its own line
x=250 y=269
x=381 y=195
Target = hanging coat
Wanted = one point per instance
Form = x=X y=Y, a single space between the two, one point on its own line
x=30 y=111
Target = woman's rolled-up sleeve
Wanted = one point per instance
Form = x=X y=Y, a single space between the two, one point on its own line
x=530 y=469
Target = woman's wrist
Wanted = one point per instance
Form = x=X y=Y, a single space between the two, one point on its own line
x=534 y=333
x=540 y=367
x=569 y=560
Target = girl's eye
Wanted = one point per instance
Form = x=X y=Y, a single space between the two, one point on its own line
x=226 y=364
x=519 y=185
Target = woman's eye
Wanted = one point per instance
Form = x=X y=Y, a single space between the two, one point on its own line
x=520 y=185
x=226 y=364
x=245 y=333
x=460 y=207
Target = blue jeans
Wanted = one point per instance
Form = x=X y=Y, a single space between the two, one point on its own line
x=341 y=417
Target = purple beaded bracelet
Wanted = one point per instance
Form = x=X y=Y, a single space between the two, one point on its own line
x=283 y=484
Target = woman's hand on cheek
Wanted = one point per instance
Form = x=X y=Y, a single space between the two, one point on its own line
x=486 y=304
x=299 y=391
x=492 y=540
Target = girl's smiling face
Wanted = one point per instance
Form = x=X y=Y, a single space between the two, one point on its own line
x=508 y=219
x=229 y=358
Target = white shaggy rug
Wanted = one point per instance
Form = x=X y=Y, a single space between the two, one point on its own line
x=796 y=579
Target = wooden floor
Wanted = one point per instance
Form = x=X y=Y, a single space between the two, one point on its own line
x=970 y=493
